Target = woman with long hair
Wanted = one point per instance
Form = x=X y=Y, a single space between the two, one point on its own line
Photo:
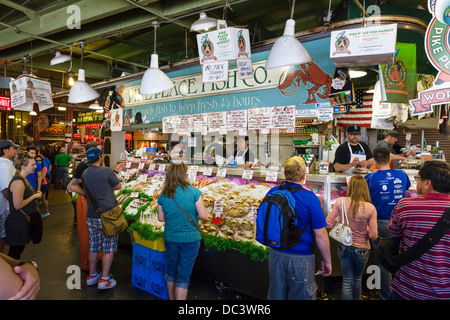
x=23 y=202
x=362 y=217
x=180 y=206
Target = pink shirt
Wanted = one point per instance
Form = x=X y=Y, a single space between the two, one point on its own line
x=364 y=223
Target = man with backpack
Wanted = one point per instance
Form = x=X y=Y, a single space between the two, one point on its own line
x=291 y=255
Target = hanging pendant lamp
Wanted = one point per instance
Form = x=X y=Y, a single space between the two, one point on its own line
x=287 y=50
x=204 y=23
x=59 y=58
x=154 y=80
x=81 y=91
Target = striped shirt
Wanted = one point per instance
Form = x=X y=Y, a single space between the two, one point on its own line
x=427 y=278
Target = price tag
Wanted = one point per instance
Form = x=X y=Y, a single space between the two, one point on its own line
x=127 y=175
x=193 y=169
x=134 y=194
x=247 y=174
x=152 y=167
x=192 y=176
x=143 y=178
x=128 y=164
x=272 y=176
x=221 y=172
x=162 y=168
x=141 y=165
x=218 y=211
x=253 y=214
x=208 y=171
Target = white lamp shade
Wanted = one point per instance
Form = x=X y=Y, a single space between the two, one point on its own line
x=287 y=50
x=81 y=91
x=204 y=23
x=95 y=106
x=154 y=80
x=59 y=58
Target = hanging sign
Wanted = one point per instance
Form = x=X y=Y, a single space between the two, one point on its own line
x=169 y=124
x=245 y=68
x=27 y=90
x=223 y=45
x=237 y=119
x=199 y=122
x=438 y=53
x=217 y=121
x=215 y=71
x=116 y=119
x=184 y=124
x=259 y=118
x=363 y=46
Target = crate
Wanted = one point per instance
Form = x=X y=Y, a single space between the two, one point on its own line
x=157 y=244
x=148 y=269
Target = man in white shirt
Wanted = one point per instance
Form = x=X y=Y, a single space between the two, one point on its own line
x=8 y=150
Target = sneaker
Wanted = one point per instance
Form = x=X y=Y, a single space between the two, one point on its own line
x=108 y=283
x=46 y=214
x=93 y=279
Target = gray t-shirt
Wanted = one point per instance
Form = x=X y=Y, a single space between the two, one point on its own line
x=101 y=182
x=384 y=144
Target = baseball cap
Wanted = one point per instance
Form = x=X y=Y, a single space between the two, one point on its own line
x=8 y=143
x=92 y=144
x=393 y=133
x=92 y=154
x=354 y=128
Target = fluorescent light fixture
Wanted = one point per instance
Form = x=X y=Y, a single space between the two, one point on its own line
x=59 y=58
x=33 y=113
x=357 y=74
x=154 y=80
x=287 y=50
x=61 y=108
x=204 y=23
x=95 y=106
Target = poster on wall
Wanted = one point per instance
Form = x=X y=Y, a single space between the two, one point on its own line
x=282 y=117
x=169 y=124
x=400 y=77
x=199 y=122
x=438 y=53
x=184 y=123
x=217 y=121
x=259 y=118
x=116 y=119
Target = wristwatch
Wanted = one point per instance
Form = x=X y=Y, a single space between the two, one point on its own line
x=30 y=262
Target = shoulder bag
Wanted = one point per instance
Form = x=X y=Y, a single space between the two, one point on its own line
x=187 y=216
x=341 y=231
x=113 y=221
x=392 y=260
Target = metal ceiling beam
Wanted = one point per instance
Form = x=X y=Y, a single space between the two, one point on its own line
x=30 y=13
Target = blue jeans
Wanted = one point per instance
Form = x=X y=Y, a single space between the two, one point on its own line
x=61 y=172
x=385 y=276
x=292 y=276
x=180 y=261
x=353 y=260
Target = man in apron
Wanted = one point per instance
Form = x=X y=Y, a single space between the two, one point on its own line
x=243 y=156
x=353 y=153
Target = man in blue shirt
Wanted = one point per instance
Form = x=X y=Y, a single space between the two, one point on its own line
x=36 y=177
x=287 y=283
x=387 y=186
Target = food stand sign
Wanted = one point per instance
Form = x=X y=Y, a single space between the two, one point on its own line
x=89 y=117
x=437 y=48
x=363 y=46
x=26 y=90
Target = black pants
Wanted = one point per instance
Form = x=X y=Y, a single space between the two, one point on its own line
x=16 y=251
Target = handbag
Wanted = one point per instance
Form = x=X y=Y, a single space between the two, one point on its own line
x=36 y=225
x=113 y=221
x=387 y=249
x=341 y=231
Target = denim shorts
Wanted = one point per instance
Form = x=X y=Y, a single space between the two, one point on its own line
x=292 y=276
x=97 y=241
x=181 y=257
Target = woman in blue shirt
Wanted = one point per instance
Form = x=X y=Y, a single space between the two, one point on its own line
x=180 y=206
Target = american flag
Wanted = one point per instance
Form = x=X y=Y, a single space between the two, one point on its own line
x=362 y=114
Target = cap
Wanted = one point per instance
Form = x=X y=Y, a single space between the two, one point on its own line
x=8 y=143
x=92 y=144
x=92 y=154
x=393 y=133
x=354 y=128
